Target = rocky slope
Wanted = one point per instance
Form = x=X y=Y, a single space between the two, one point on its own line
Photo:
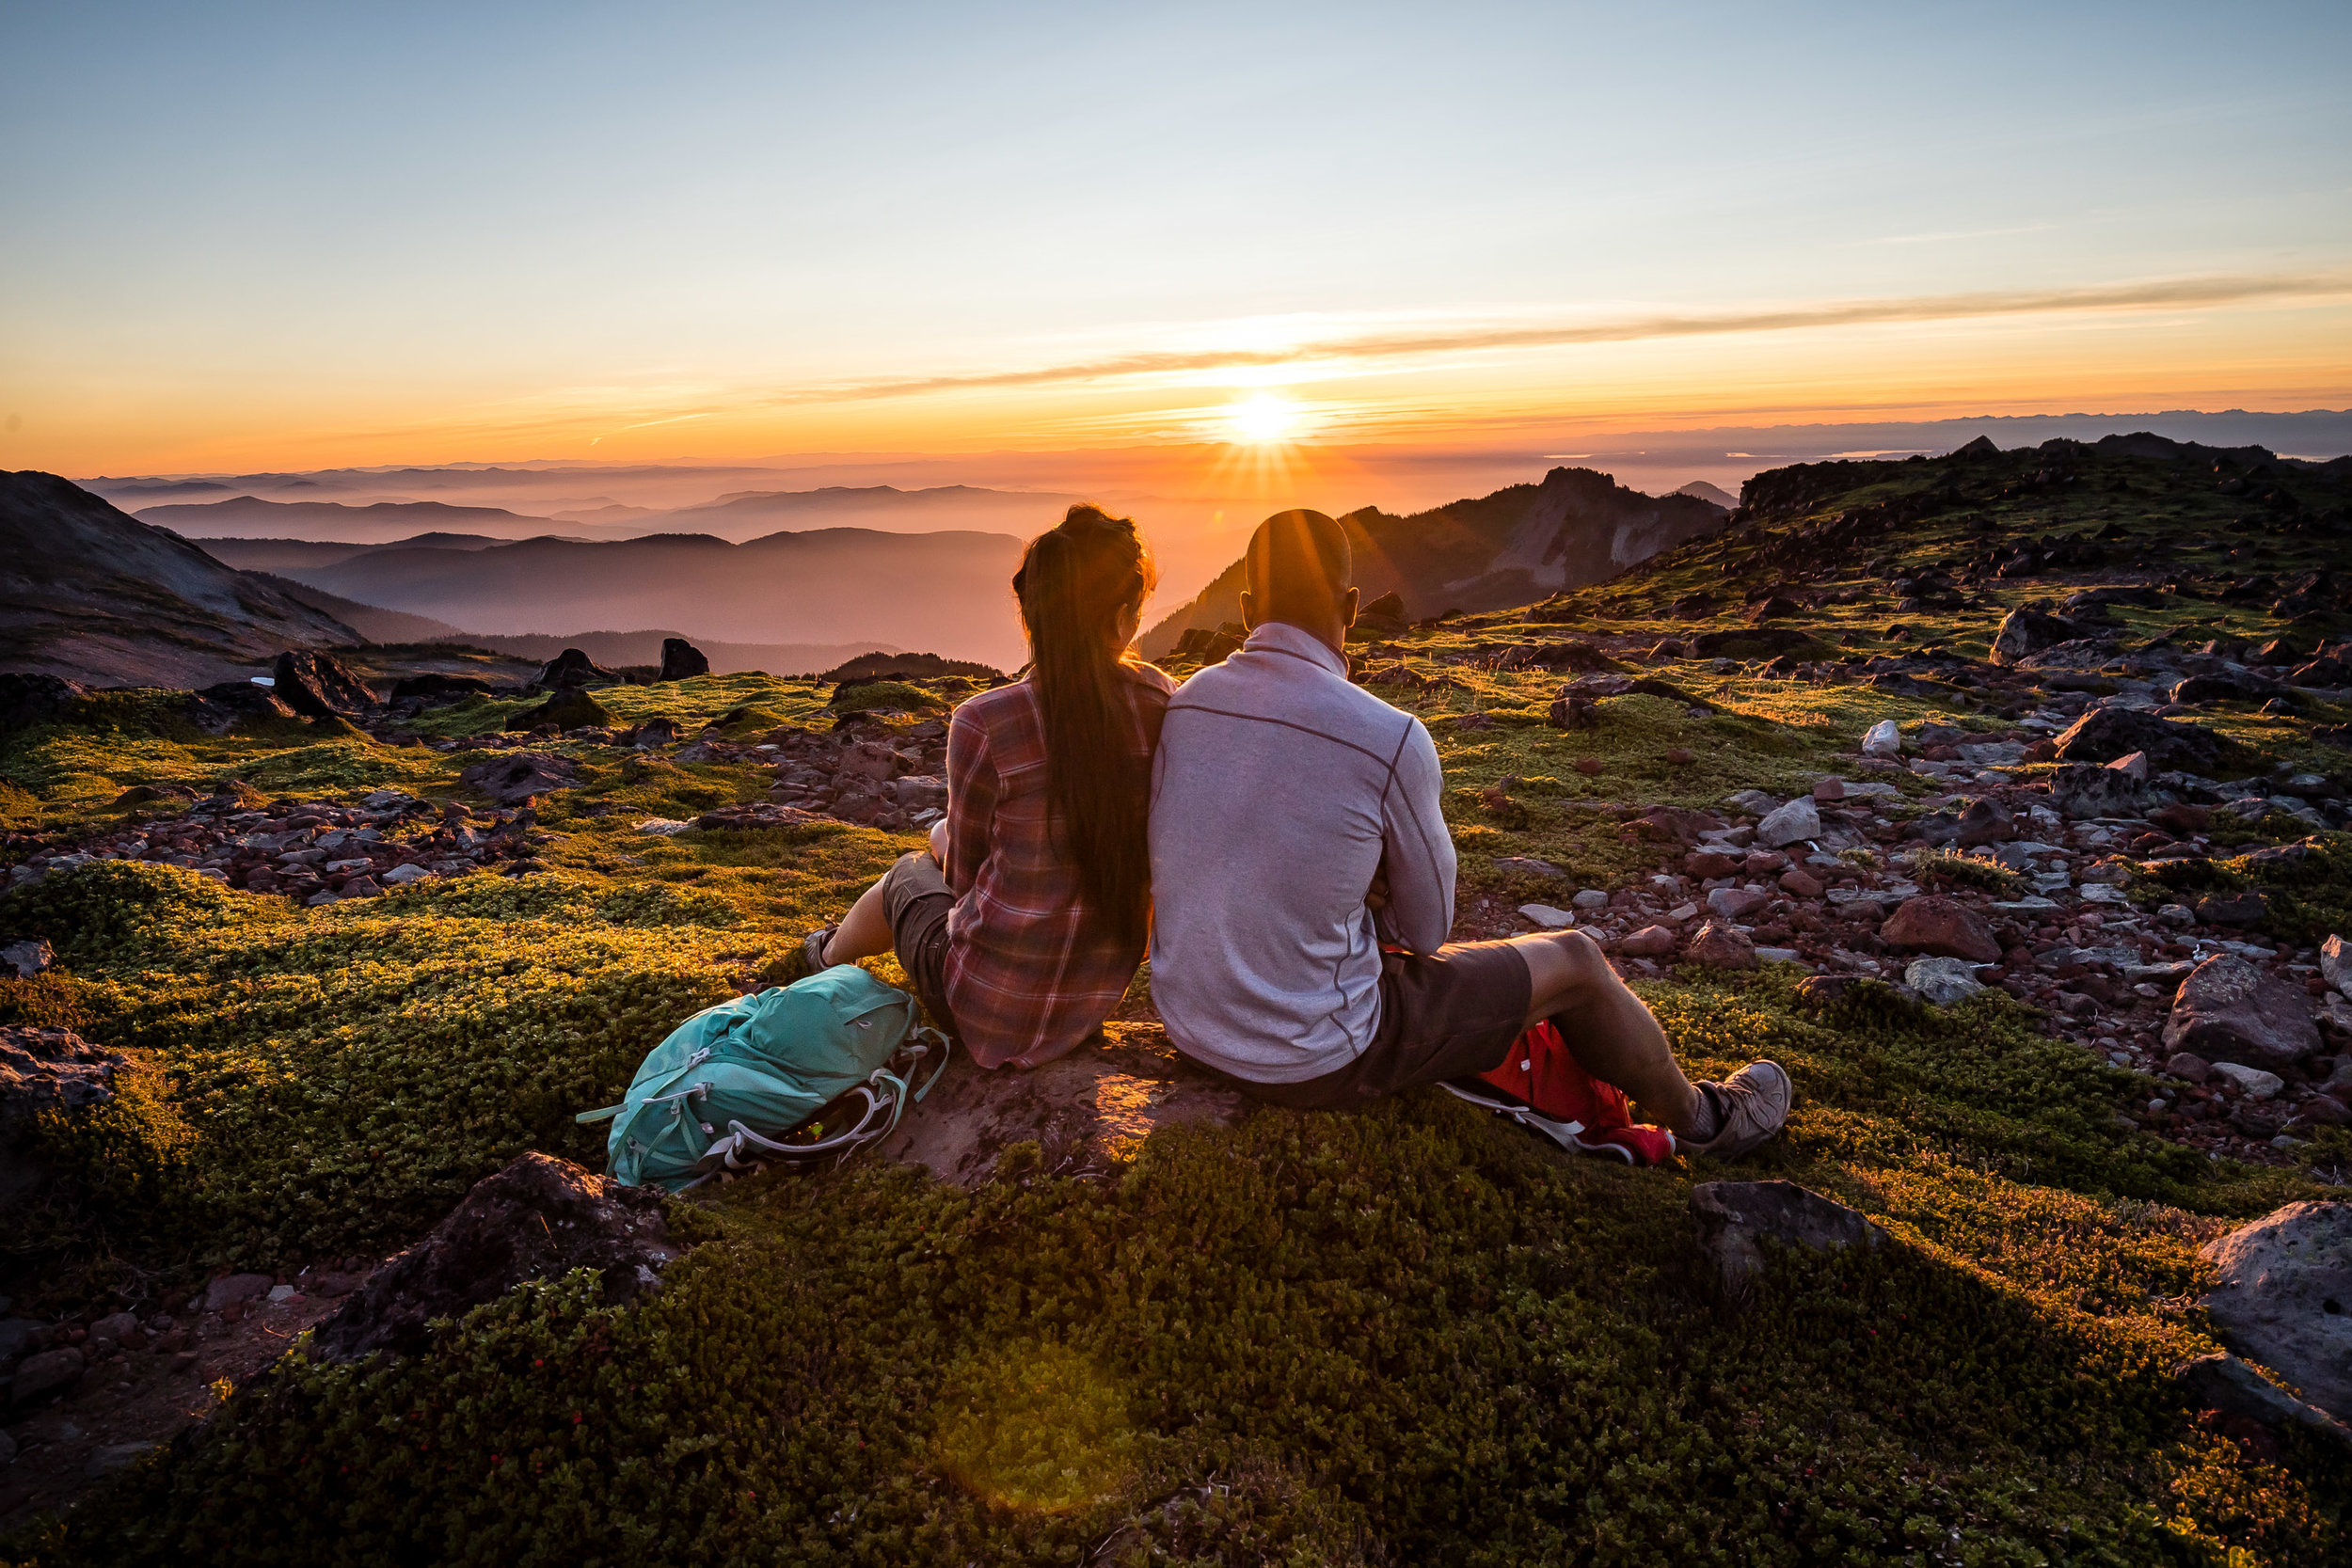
x=2023 y=858
x=1511 y=548
x=92 y=594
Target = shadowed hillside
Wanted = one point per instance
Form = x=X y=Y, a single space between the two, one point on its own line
x=1511 y=548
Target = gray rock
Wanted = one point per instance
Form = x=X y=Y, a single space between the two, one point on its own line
x=1527 y=866
x=2026 y=632
x=2228 y=1010
x=511 y=778
x=1734 y=1217
x=1544 y=917
x=232 y=1287
x=2283 y=1297
x=2335 y=964
x=2082 y=791
x=1882 y=739
x=45 y=1374
x=1943 y=981
x=1797 y=820
x=1591 y=899
x=1984 y=822
x=1753 y=800
x=1735 y=903
x=113 y=1327
x=2222 y=1383
x=25 y=959
x=2105 y=734
x=2252 y=1082
x=47 y=1069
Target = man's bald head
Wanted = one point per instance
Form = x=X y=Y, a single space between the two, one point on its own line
x=1299 y=566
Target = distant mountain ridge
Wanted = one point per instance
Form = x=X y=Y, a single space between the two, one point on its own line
x=337 y=522
x=93 y=594
x=1519 y=545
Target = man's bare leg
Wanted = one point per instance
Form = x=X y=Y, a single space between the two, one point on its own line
x=1607 y=1030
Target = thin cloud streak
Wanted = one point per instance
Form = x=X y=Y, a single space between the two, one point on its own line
x=2219 y=289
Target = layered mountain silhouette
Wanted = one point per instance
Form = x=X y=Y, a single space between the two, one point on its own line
x=90 y=592
x=380 y=522
x=1512 y=547
x=944 y=592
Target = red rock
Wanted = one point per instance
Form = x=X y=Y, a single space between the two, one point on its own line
x=2182 y=818
x=2228 y=1010
x=1588 y=766
x=1720 y=946
x=1943 y=927
x=1830 y=789
x=1681 y=756
x=2040 y=751
x=1761 y=861
x=1706 y=865
x=1800 y=884
x=1650 y=942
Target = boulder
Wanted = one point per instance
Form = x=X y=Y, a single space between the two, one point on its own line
x=1385 y=616
x=2252 y=1082
x=2335 y=964
x=2228 y=1010
x=538 y=1218
x=681 y=660
x=218 y=710
x=2233 y=908
x=1735 y=903
x=2084 y=791
x=1736 y=1217
x=2222 y=1384
x=574 y=668
x=21 y=961
x=1933 y=923
x=1721 y=946
x=45 y=1374
x=511 y=778
x=1984 y=822
x=2105 y=734
x=1650 y=942
x=2027 y=632
x=231 y=1289
x=569 y=707
x=2280 y=1295
x=1882 y=739
x=435 y=686
x=318 y=686
x=1798 y=821
x=45 y=1069
x=29 y=700
x=1087 y=1108
x=1943 y=981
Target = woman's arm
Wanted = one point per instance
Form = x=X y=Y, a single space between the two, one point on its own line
x=971 y=803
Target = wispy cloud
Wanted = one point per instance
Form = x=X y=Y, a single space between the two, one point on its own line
x=2211 y=290
x=1959 y=234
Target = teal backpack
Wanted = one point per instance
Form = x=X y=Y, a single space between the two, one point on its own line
x=729 y=1085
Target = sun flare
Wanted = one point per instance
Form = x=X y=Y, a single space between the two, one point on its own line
x=1264 y=417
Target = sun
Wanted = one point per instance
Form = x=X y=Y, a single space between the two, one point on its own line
x=1263 y=417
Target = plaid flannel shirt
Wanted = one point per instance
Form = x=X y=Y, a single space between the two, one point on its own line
x=1030 y=969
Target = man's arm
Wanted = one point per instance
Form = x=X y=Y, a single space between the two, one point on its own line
x=1417 y=851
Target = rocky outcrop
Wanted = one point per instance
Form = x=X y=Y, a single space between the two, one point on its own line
x=43 y=1069
x=573 y=668
x=2105 y=734
x=539 y=1218
x=569 y=708
x=681 y=660
x=2283 y=1296
x=2228 y=1010
x=218 y=710
x=514 y=778
x=2024 y=632
x=318 y=685
x=1084 y=1111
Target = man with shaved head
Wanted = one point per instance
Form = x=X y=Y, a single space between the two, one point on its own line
x=1302 y=884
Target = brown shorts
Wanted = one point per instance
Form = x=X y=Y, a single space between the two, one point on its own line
x=915 y=895
x=1448 y=1014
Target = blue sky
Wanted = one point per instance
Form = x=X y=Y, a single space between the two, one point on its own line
x=347 y=234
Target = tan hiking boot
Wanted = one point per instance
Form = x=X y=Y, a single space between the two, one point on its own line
x=1750 y=1107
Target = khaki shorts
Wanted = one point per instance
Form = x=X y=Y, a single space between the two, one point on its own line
x=1448 y=1014
x=915 y=895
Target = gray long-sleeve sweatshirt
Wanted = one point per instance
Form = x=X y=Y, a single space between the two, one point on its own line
x=1278 y=791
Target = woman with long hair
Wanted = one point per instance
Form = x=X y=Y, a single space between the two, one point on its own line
x=1022 y=927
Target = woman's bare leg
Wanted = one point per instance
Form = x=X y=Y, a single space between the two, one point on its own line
x=1607 y=1030
x=865 y=931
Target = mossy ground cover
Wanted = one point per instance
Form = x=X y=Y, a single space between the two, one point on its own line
x=1407 y=1335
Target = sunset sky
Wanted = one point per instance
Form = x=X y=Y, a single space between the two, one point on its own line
x=243 y=236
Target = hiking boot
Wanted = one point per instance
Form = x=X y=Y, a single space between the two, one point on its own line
x=1750 y=1107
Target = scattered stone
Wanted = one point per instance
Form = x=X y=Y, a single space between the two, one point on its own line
x=1544 y=917
x=1735 y=1218
x=2189 y=1066
x=46 y=1372
x=1680 y=756
x=21 y=961
x=2228 y=1010
x=2282 y=1294
x=511 y=778
x=2024 y=632
x=1527 y=866
x=1800 y=884
x=1984 y=822
x=2252 y=1082
x=1650 y=942
x=1721 y=946
x=2236 y=909
x=1798 y=821
x=1940 y=926
x=1882 y=739
x=1943 y=981
x=2335 y=964
x=231 y=1289
x=1588 y=766
x=681 y=660
x=1590 y=899
x=538 y=1218
x=1735 y=903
